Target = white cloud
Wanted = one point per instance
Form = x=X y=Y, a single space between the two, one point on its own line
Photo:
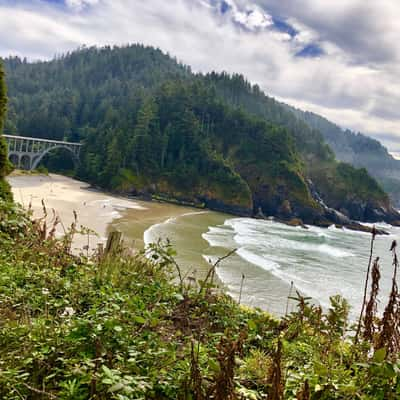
x=349 y=85
x=80 y=4
x=366 y=29
x=253 y=19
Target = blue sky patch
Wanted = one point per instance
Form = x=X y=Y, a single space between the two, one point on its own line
x=282 y=26
x=224 y=7
x=310 y=51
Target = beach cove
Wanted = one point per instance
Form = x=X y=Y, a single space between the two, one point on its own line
x=274 y=259
x=95 y=210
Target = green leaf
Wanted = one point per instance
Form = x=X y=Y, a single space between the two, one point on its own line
x=178 y=296
x=389 y=371
x=252 y=325
x=214 y=366
x=115 y=388
x=318 y=387
x=138 y=319
x=107 y=371
x=379 y=355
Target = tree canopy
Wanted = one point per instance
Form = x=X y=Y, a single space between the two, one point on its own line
x=149 y=125
x=5 y=192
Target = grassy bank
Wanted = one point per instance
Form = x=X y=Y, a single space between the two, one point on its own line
x=112 y=326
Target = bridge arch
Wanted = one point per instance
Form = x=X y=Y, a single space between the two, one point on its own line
x=28 y=152
x=25 y=161
x=36 y=160
x=14 y=158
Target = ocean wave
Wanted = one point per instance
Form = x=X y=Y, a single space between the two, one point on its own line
x=258 y=260
x=152 y=234
x=253 y=235
x=129 y=205
x=219 y=236
x=282 y=244
x=231 y=278
x=113 y=214
x=320 y=262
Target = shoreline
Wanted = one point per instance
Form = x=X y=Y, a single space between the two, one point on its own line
x=98 y=211
x=135 y=218
x=141 y=221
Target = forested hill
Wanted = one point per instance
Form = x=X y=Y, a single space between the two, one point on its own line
x=151 y=127
x=313 y=131
x=358 y=150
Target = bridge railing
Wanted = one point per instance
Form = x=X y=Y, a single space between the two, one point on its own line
x=28 y=151
x=41 y=140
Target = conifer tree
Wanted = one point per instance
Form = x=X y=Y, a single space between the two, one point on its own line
x=5 y=191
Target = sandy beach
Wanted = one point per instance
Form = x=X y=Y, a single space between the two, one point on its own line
x=96 y=210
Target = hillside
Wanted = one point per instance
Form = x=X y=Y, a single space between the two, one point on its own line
x=359 y=150
x=337 y=184
x=151 y=127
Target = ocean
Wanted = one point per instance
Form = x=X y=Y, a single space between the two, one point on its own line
x=276 y=259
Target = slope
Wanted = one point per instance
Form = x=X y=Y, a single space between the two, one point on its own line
x=151 y=127
x=359 y=150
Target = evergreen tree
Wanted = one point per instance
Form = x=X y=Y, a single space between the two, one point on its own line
x=150 y=125
x=5 y=191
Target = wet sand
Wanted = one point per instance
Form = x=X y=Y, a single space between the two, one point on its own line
x=142 y=222
x=95 y=210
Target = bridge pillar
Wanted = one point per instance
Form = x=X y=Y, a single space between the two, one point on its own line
x=27 y=152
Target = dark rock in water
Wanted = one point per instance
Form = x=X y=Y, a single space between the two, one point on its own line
x=352 y=210
x=296 y=222
x=290 y=222
x=323 y=223
x=354 y=226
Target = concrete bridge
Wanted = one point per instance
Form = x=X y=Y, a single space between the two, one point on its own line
x=27 y=152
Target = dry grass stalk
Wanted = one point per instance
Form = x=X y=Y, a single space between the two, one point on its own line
x=366 y=283
x=304 y=393
x=275 y=375
x=389 y=336
x=196 y=380
x=211 y=271
x=224 y=384
x=372 y=307
x=241 y=288
x=288 y=299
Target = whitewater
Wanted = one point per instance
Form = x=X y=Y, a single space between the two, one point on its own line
x=277 y=260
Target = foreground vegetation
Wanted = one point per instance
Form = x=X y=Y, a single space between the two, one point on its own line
x=113 y=326
x=5 y=167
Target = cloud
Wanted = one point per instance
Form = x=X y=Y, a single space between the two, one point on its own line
x=353 y=81
x=366 y=29
x=80 y=4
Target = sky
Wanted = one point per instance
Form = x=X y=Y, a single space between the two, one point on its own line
x=338 y=58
